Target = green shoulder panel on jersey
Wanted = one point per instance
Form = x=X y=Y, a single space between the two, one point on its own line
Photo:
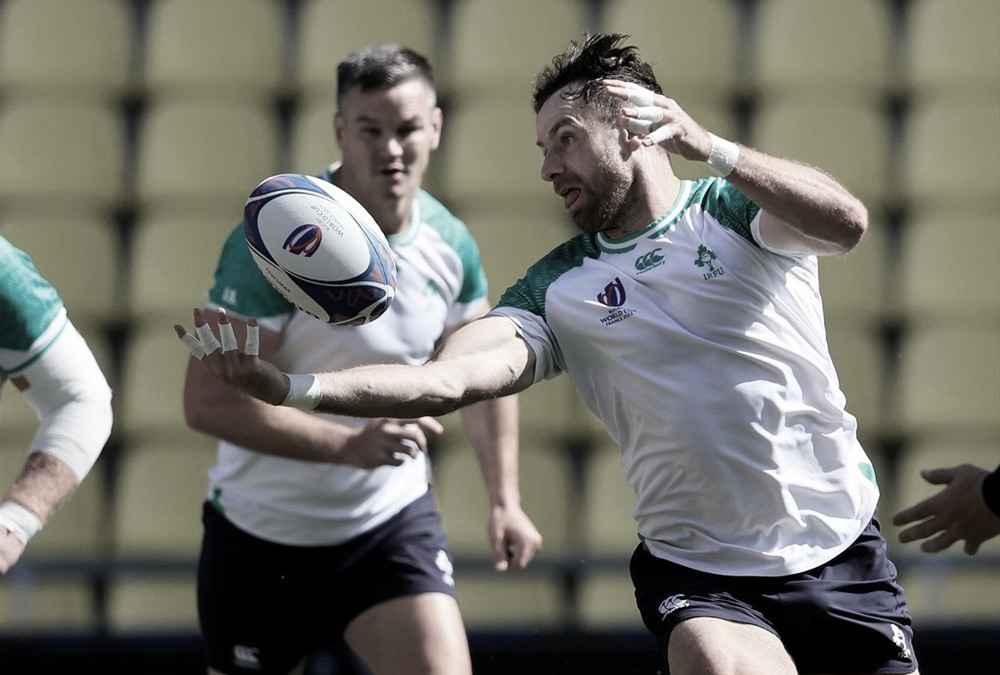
x=28 y=302
x=454 y=233
x=733 y=209
x=239 y=285
x=528 y=293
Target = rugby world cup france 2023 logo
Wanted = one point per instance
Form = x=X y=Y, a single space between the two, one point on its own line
x=304 y=240
x=613 y=297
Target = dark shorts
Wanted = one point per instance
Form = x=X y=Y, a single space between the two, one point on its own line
x=264 y=606
x=848 y=615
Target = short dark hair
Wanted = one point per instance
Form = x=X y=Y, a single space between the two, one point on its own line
x=599 y=56
x=381 y=67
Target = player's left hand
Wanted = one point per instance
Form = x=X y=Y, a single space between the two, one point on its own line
x=513 y=537
x=11 y=549
x=240 y=368
x=955 y=513
x=652 y=119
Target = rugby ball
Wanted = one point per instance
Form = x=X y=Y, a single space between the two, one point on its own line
x=320 y=249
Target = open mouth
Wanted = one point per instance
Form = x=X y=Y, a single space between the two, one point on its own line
x=570 y=197
x=393 y=172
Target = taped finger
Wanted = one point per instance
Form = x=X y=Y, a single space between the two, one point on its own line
x=207 y=339
x=660 y=134
x=253 y=340
x=191 y=342
x=652 y=113
x=639 y=127
x=641 y=97
x=228 y=337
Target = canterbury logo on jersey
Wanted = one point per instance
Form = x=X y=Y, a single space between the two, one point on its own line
x=304 y=240
x=613 y=294
x=648 y=261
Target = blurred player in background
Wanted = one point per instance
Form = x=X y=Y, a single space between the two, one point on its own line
x=319 y=525
x=968 y=509
x=48 y=361
x=689 y=317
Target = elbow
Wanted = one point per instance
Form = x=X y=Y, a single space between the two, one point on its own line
x=854 y=224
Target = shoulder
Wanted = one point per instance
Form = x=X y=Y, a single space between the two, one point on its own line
x=28 y=302
x=239 y=285
x=726 y=204
x=528 y=293
x=441 y=220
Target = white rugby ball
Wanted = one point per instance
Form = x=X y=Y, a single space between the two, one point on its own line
x=320 y=249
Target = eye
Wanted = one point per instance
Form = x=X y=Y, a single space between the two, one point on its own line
x=408 y=130
x=372 y=132
x=566 y=138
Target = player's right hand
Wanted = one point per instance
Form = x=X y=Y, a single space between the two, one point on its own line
x=388 y=442
x=240 y=368
x=11 y=549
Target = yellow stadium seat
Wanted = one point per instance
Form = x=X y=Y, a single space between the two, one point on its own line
x=163 y=483
x=153 y=378
x=952 y=45
x=701 y=53
x=950 y=151
x=174 y=258
x=854 y=285
x=313 y=145
x=67 y=153
x=76 y=48
x=545 y=497
x=489 y=151
x=950 y=378
x=501 y=46
x=153 y=605
x=331 y=29
x=223 y=46
x=204 y=154
x=944 y=596
x=815 y=44
x=857 y=356
x=609 y=506
x=846 y=138
x=608 y=601
x=46 y=604
x=76 y=254
x=948 y=268
x=508 y=601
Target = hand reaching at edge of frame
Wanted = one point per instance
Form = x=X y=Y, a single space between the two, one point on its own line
x=653 y=119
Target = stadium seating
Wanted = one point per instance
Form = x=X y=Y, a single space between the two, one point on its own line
x=163 y=481
x=607 y=600
x=950 y=378
x=496 y=51
x=313 y=145
x=940 y=595
x=33 y=605
x=77 y=253
x=207 y=154
x=823 y=46
x=951 y=46
x=857 y=356
x=493 y=601
x=942 y=167
x=66 y=153
x=231 y=47
x=609 y=506
x=948 y=268
x=854 y=285
x=330 y=29
x=146 y=605
x=159 y=284
x=545 y=496
x=682 y=62
x=152 y=388
x=92 y=57
x=847 y=138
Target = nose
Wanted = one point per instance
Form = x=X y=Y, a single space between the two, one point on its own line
x=551 y=167
x=393 y=148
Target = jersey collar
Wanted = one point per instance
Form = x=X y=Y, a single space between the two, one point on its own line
x=627 y=243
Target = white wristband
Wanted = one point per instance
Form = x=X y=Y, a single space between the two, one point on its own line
x=303 y=392
x=21 y=522
x=723 y=156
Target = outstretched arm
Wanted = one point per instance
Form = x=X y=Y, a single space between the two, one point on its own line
x=482 y=360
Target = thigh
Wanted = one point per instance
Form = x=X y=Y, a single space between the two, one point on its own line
x=412 y=635
x=247 y=602
x=712 y=646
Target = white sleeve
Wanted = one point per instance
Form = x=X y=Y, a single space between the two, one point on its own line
x=68 y=392
x=777 y=236
x=535 y=332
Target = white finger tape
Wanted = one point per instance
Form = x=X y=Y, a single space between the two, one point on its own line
x=19 y=521
x=253 y=341
x=641 y=97
x=193 y=345
x=660 y=134
x=652 y=113
x=207 y=339
x=228 y=337
x=639 y=127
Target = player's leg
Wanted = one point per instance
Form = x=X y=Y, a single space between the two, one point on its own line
x=413 y=635
x=713 y=646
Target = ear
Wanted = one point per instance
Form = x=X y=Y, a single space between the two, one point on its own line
x=338 y=128
x=437 y=121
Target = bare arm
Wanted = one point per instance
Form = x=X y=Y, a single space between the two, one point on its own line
x=43 y=484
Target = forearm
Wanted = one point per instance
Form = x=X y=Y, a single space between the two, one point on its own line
x=801 y=196
x=270 y=430
x=42 y=485
x=492 y=429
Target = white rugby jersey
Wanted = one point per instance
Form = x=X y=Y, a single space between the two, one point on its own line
x=441 y=284
x=706 y=357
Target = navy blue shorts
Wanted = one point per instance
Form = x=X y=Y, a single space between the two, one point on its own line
x=264 y=606
x=848 y=616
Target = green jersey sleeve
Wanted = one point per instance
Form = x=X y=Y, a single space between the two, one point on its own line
x=239 y=286
x=730 y=207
